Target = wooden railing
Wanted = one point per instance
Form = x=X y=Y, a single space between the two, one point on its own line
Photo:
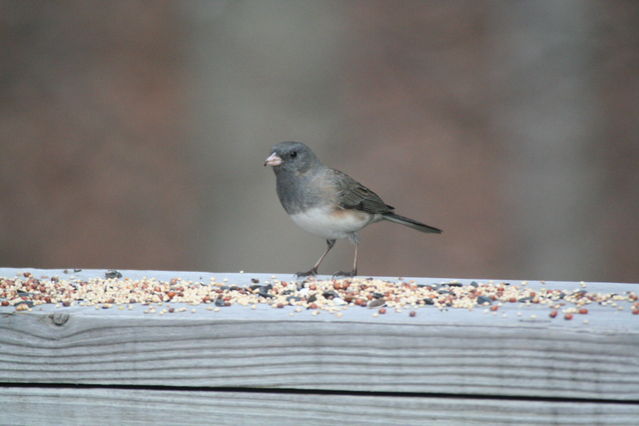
x=180 y=363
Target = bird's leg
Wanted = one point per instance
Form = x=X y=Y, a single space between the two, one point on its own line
x=355 y=259
x=313 y=270
x=353 y=273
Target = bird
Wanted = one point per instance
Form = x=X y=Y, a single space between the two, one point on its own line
x=327 y=202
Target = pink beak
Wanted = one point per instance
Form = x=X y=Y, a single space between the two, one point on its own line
x=273 y=160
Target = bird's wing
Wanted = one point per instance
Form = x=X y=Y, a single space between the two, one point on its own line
x=354 y=195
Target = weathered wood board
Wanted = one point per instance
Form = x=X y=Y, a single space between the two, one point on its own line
x=38 y=406
x=586 y=369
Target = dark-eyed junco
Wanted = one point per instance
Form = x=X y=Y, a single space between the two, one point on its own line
x=327 y=202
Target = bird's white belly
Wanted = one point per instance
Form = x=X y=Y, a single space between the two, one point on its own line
x=329 y=224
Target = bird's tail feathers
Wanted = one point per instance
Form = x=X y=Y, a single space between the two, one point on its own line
x=395 y=218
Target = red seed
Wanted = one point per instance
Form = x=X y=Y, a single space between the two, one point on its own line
x=382 y=311
x=412 y=313
x=280 y=305
x=5 y=303
x=583 y=311
x=635 y=312
x=171 y=309
x=66 y=303
x=553 y=314
x=312 y=287
x=494 y=308
x=312 y=306
x=513 y=300
x=568 y=316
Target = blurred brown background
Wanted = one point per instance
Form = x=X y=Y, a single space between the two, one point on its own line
x=132 y=133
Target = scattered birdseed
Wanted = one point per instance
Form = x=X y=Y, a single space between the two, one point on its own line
x=332 y=295
x=111 y=274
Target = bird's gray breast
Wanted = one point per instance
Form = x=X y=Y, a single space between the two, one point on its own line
x=299 y=192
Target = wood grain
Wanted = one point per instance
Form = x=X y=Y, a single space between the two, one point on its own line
x=450 y=352
x=124 y=407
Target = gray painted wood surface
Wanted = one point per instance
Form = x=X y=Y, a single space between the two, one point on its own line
x=517 y=352
x=114 y=406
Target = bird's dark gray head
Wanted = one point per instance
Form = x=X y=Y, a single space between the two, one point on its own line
x=291 y=157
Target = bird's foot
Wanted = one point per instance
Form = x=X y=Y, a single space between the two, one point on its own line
x=345 y=274
x=309 y=273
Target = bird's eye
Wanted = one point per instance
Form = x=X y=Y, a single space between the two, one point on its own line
x=293 y=154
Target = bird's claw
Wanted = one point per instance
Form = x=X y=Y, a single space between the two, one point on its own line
x=311 y=272
x=344 y=274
